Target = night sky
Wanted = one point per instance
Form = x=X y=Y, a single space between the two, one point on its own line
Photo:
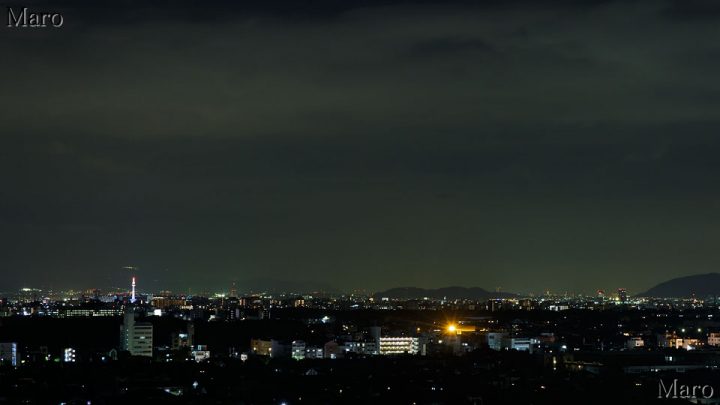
x=534 y=145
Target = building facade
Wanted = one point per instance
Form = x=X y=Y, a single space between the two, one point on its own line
x=399 y=345
x=136 y=337
x=8 y=354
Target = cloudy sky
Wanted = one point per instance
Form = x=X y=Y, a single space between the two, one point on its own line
x=534 y=145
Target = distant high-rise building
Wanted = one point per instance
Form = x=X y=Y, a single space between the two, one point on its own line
x=8 y=354
x=622 y=295
x=136 y=337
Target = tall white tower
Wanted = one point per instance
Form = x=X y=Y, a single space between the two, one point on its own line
x=132 y=297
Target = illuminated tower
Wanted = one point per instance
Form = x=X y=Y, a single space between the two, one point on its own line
x=132 y=269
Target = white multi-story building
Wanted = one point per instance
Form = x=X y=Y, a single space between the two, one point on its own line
x=136 y=337
x=298 y=349
x=399 y=345
x=713 y=339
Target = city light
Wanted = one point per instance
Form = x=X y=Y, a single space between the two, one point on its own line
x=302 y=202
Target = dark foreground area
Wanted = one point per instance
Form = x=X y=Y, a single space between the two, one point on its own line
x=481 y=377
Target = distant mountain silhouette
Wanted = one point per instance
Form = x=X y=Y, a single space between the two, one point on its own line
x=475 y=293
x=701 y=285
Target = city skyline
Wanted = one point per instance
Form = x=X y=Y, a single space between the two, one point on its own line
x=274 y=286
x=360 y=202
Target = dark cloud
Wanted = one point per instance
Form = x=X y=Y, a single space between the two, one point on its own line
x=362 y=144
x=693 y=9
x=437 y=46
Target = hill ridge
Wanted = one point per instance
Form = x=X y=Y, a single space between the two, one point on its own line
x=699 y=285
x=451 y=292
